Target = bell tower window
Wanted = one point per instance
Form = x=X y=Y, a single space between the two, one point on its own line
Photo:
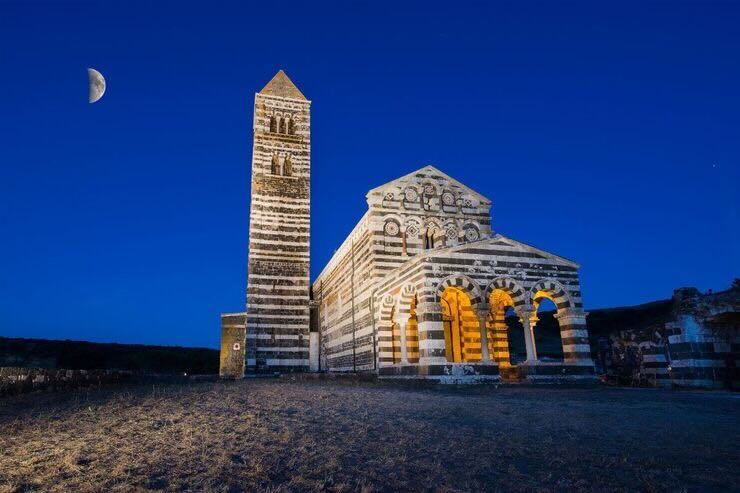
x=287 y=166
x=275 y=167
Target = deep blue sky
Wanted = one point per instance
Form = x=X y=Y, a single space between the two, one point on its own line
x=607 y=133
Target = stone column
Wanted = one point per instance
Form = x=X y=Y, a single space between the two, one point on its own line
x=500 y=338
x=431 y=333
x=483 y=309
x=403 y=321
x=574 y=335
x=529 y=339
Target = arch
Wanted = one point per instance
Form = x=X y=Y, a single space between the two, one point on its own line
x=556 y=292
x=432 y=223
x=388 y=331
x=408 y=292
x=463 y=282
x=386 y=308
x=408 y=302
x=501 y=294
x=432 y=231
x=553 y=290
x=395 y=217
x=287 y=166
x=450 y=226
x=461 y=327
x=385 y=330
x=411 y=232
x=512 y=288
x=413 y=223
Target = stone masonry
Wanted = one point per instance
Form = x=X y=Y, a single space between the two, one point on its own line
x=419 y=289
x=277 y=315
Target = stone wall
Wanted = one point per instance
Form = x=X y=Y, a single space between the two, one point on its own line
x=233 y=345
x=277 y=315
x=407 y=216
x=14 y=380
x=697 y=345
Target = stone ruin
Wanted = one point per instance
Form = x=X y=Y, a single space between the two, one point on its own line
x=696 y=344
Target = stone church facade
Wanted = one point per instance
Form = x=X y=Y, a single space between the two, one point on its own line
x=419 y=289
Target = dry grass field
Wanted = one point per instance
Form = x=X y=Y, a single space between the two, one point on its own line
x=277 y=435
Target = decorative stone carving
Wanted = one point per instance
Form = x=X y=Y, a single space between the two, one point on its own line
x=448 y=199
x=471 y=234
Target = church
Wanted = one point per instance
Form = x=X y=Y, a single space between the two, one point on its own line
x=420 y=288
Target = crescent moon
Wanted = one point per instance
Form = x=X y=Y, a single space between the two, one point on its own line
x=96 y=85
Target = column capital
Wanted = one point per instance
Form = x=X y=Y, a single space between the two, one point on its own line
x=402 y=318
x=571 y=316
x=428 y=307
x=482 y=308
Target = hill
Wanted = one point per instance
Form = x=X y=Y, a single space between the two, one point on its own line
x=81 y=355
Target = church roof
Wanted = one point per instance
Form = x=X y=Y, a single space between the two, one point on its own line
x=429 y=171
x=282 y=87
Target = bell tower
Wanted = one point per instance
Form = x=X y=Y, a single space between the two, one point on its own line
x=277 y=317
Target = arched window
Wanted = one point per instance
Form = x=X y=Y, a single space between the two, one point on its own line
x=273 y=124
x=429 y=239
x=283 y=125
x=287 y=166
x=291 y=127
x=275 y=169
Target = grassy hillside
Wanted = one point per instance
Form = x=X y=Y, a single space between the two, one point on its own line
x=80 y=355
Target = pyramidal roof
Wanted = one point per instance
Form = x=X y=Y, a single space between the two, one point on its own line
x=282 y=87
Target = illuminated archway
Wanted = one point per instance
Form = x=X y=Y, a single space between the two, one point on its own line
x=412 y=333
x=461 y=328
x=499 y=332
x=395 y=337
x=546 y=326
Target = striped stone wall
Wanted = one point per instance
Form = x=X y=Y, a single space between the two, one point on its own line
x=343 y=293
x=278 y=296
x=418 y=212
x=480 y=269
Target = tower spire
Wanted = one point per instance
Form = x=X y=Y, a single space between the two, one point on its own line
x=282 y=87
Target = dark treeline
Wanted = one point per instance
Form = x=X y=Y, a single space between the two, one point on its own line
x=80 y=355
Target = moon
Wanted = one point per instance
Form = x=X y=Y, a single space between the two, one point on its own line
x=97 y=85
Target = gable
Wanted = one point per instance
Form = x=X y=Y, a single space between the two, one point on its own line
x=429 y=175
x=498 y=244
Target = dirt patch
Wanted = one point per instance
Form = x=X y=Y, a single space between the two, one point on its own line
x=282 y=435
